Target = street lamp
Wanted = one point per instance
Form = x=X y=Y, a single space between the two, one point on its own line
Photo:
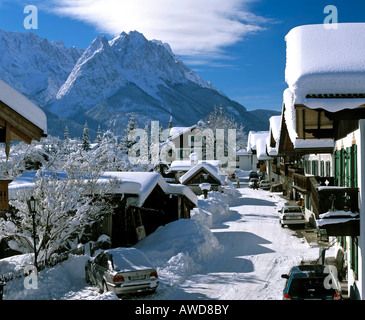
x=33 y=208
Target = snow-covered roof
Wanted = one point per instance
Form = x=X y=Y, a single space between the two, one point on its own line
x=178 y=131
x=185 y=165
x=322 y=60
x=19 y=103
x=137 y=183
x=261 y=152
x=212 y=170
x=253 y=136
x=275 y=129
x=243 y=153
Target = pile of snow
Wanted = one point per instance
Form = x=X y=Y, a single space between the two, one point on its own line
x=64 y=281
x=179 y=249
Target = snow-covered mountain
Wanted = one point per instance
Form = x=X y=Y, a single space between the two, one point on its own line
x=109 y=81
x=35 y=66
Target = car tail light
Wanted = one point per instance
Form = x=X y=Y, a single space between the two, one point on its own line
x=154 y=274
x=302 y=217
x=118 y=278
x=284 y=218
x=337 y=296
x=287 y=296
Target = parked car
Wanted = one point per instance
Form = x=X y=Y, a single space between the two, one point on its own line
x=253 y=174
x=312 y=282
x=253 y=183
x=265 y=184
x=291 y=215
x=122 y=270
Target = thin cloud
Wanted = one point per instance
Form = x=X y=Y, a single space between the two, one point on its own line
x=191 y=27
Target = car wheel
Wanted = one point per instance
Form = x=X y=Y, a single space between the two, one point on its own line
x=87 y=277
x=104 y=287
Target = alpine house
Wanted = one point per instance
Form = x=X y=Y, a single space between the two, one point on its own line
x=323 y=128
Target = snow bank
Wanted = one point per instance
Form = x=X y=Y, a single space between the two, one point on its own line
x=179 y=249
x=63 y=282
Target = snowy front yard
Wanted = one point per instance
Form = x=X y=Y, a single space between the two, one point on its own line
x=233 y=248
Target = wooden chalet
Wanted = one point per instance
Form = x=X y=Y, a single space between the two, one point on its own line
x=142 y=202
x=20 y=120
x=202 y=173
x=180 y=143
x=322 y=139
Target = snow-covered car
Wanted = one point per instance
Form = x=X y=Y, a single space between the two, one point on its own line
x=312 y=282
x=291 y=215
x=265 y=184
x=253 y=183
x=122 y=270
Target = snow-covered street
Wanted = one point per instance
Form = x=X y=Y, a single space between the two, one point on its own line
x=256 y=251
x=239 y=256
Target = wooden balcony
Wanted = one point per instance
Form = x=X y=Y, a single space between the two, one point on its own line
x=276 y=169
x=327 y=198
x=284 y=168
x=302 y=183
x=293 y=170
x=331 y=199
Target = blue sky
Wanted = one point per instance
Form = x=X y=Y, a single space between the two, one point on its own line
x=238 y=45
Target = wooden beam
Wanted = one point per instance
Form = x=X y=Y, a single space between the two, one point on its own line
x=19 y=122
x=7 y=139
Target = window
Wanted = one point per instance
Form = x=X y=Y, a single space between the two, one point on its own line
x=307 y=166
x=315 y=167
x=345 y=167
x=328 y=168
x=322 y=169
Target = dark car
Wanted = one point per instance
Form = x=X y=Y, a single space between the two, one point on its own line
x=122 y=270
x=253 y=174
x=312 y=282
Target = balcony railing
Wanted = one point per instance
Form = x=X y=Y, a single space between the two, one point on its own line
x=326 y=197
x=294 y=170
x=302 y=183
x=338 y=202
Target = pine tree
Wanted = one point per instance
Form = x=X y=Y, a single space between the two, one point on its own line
x=86 y=138
x=99 y=135
x=170 y=123
x=66 y=134
x=132 y=124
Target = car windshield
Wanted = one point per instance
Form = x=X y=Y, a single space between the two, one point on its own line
x=130 y=260
x=309 y=286
x=293 y=210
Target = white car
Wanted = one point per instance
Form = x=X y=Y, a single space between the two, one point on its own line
x=122 y=270
x=265 y=184
x=291 y=215
x=253 y=183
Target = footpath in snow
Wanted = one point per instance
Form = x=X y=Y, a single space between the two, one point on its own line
x=233 y=248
